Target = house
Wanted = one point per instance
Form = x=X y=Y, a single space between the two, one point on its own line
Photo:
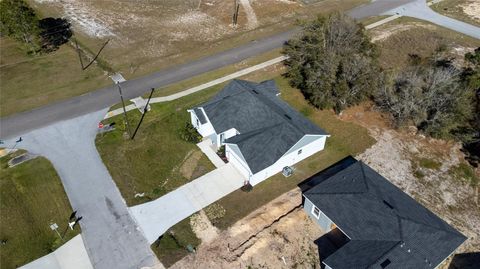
x=261 y=133
x=382 y=225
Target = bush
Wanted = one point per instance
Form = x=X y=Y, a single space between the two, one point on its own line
x=190 y=134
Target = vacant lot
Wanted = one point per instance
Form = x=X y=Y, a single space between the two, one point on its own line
x=405 y=36
x=28 y=82
x=149 y=35
x=32 y=198
x=463 y=10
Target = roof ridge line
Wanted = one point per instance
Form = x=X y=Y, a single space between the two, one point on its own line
x=436 y=228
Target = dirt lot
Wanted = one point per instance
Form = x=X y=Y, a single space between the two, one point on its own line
x=424 y=168
x=147 y=35
x=277 y=235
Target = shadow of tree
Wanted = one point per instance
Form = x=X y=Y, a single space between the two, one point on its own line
x=465 y=261
x=54 y=33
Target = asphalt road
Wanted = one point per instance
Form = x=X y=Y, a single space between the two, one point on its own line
x=22 y=122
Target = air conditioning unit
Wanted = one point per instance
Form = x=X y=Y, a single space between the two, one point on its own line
x=287 y=171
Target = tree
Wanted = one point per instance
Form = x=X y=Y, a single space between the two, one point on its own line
x=431 y=96
x=20 y=22
x=332 y=62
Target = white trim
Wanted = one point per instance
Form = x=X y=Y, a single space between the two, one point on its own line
x=313 y=211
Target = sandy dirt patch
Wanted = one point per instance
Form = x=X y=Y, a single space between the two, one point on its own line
x=472 y=9
x=203 y=228
x=252 y=21
x=384 y=32
x=395 y=156
x=277 y=235
x=190 y=163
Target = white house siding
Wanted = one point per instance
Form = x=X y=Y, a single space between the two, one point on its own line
x=323 y=221
x=236 y=158
x=227 y=134
x=291 y=157
x=205 y=129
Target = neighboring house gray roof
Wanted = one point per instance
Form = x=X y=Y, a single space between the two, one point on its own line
x=384 y=224
x=268 y=126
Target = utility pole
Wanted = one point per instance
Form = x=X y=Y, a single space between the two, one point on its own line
x=145 y=110
x=236 y=7
x=127 y=126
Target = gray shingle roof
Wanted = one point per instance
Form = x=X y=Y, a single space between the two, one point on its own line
x=200 y=115
x=382 y=222
x=268 y=126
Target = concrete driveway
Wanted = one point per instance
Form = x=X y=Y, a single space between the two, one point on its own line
x=111 y=237
x=156 y=217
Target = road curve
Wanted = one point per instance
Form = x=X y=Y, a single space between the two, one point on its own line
x=93 y=101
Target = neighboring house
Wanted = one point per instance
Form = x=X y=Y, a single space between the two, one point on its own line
x=383 y=226
x=261 y=133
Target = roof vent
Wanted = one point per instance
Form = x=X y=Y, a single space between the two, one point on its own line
x=255 y=91
x=385 y=263
x=288 y=117
x=388 y=204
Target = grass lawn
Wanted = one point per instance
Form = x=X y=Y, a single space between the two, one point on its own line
x=154 y=161
x=419 y=38
x=346 y=139
x=455 y=9
x=173 y=245
x=32 y=197
x=28 y=82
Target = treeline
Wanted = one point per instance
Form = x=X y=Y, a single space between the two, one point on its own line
x=335 y=65
x=20 y=22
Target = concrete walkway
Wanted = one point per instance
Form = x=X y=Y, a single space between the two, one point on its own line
x=71 y=255
x=206 y=147
x=111 y=237
x=156 y=217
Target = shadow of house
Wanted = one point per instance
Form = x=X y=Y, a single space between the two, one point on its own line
x=54 y=33
x=329 y=243
x=465 y=261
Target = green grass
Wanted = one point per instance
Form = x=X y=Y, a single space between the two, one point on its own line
x=429 y=163
x=29 y=82
x=346 y=139
x=32 y=197
x=150 y=163
x=171 y=248
x=465 y=172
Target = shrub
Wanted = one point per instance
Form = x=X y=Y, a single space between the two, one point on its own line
x=190 y=134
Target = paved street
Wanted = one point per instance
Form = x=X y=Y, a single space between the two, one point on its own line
x=420 y=10
x=156 y=217
x=110 y=234
x=106 y=97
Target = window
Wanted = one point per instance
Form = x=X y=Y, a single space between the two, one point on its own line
x=222 y=137
x=316 y=212
x=198 y=123
x=299 y=152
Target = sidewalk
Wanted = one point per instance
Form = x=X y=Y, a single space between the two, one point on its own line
x=156 y=217
x=71 y=255
x=206 y=147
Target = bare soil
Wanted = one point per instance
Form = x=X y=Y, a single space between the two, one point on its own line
x=396 y=155
x=277 y=235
